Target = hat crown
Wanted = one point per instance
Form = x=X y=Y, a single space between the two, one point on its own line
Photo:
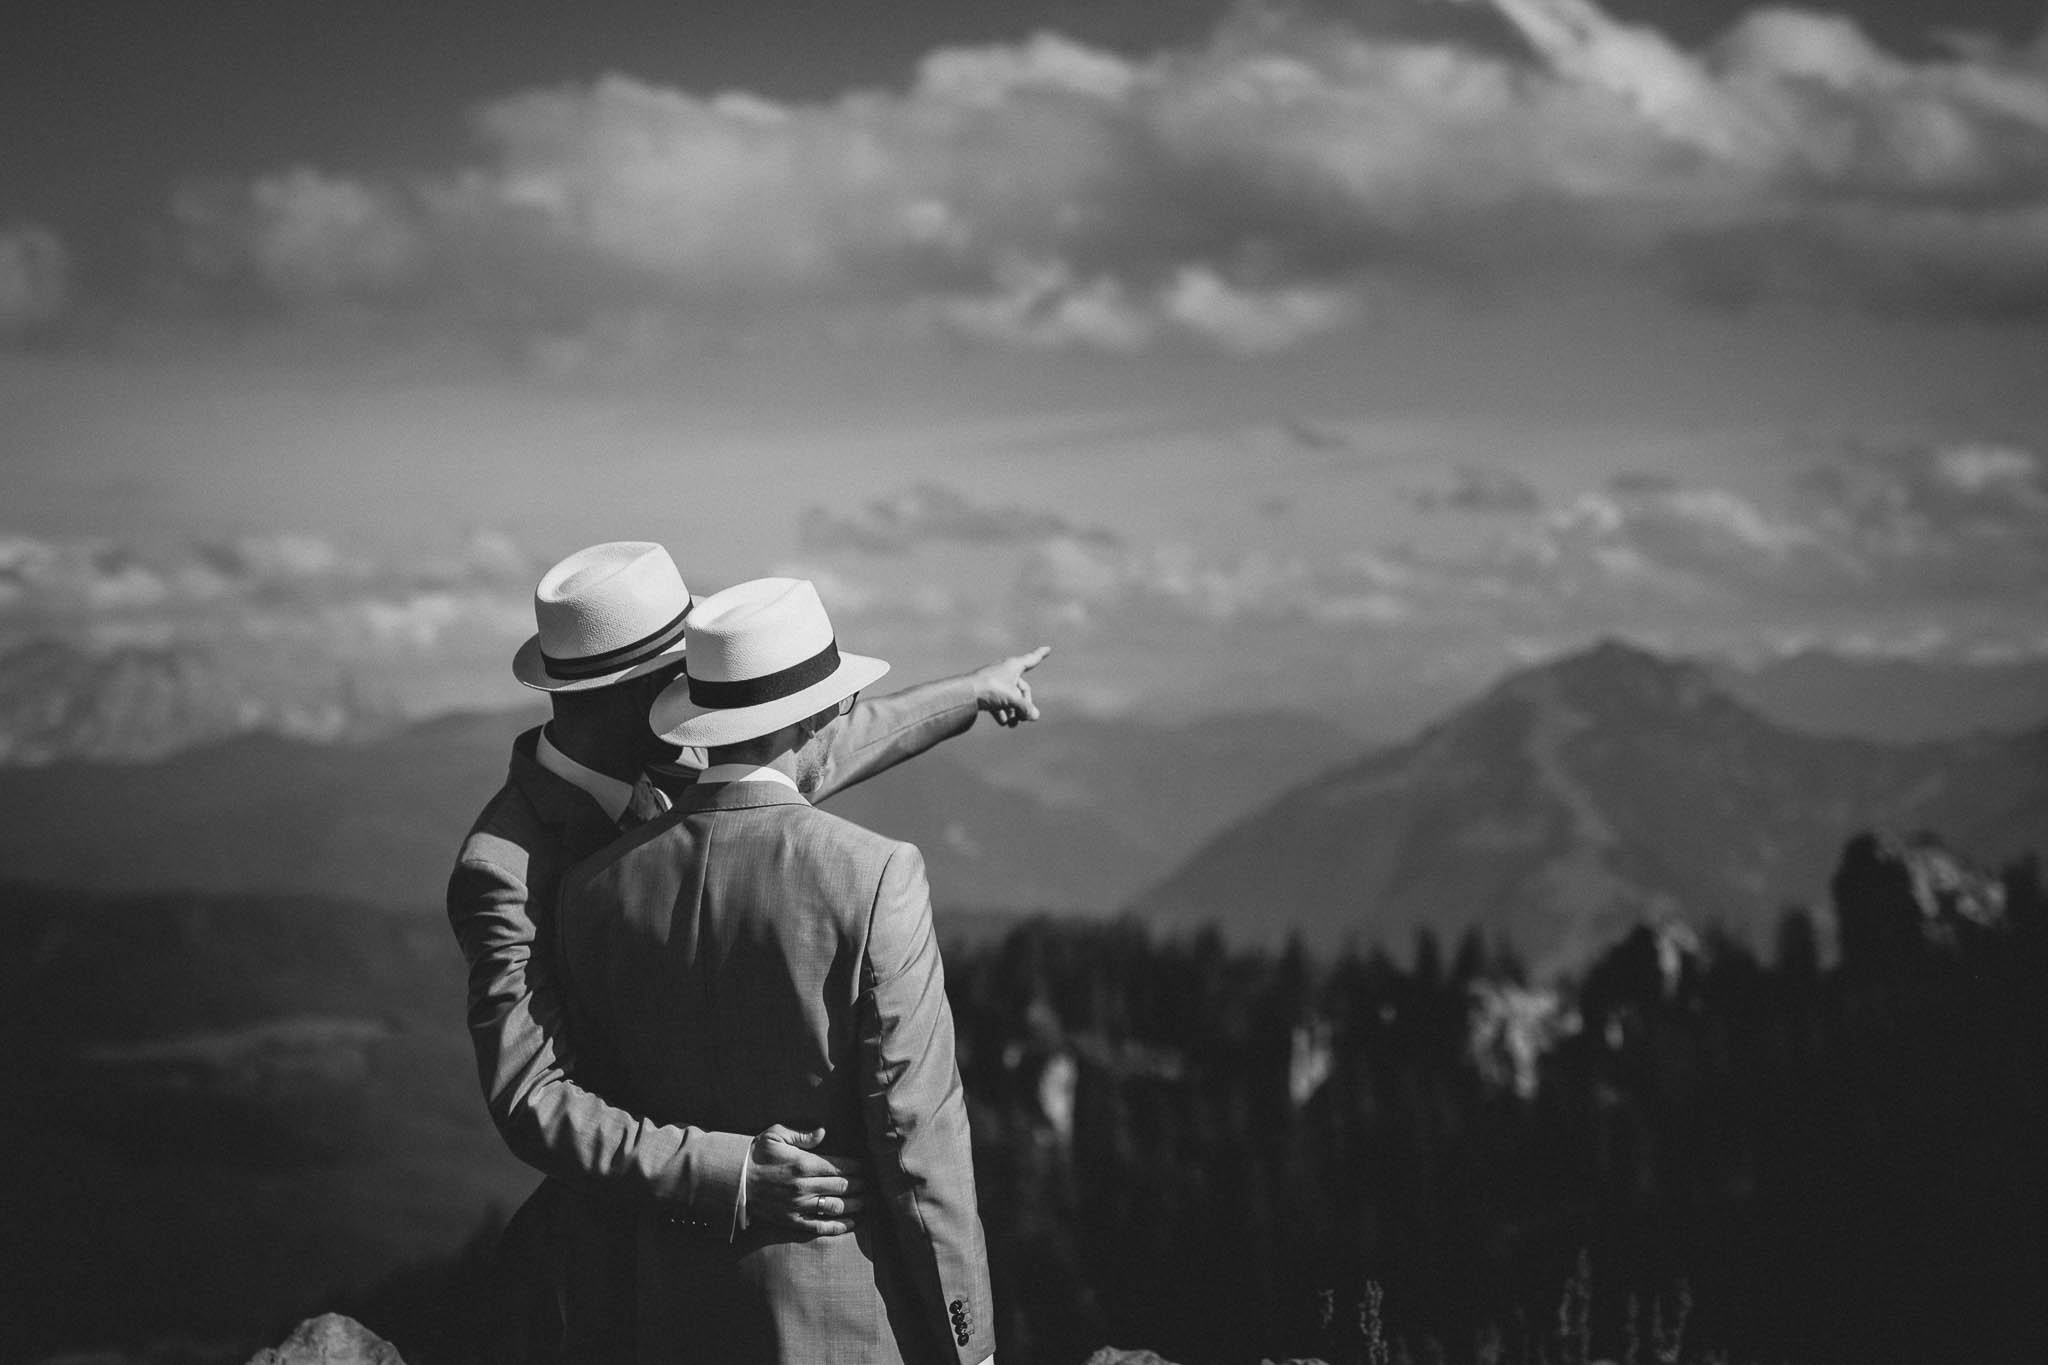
x=614 y=604
x=757 y=629
x=762 y=656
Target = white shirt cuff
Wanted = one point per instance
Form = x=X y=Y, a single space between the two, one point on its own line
x=739 y=1207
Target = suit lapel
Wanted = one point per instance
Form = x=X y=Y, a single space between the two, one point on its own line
x=583 y=826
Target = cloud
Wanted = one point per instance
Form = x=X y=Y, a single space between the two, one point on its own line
x=273 y=559
x=1477 y=489
x=423 y=620
x=289 y=614
x=1300 y=434
x=66 y=578
x=34 y=278
x=1953 y=517
x=929 y=513
x=268 y=585
x=304 y=237
x=1248 y=193
x=1709 y=535
x=1943 y=542
x=1253 y=321
x=1074 y=584
x=1041 y=306
x=1891 y=539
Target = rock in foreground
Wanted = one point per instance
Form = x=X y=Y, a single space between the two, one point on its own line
x=330 y=1339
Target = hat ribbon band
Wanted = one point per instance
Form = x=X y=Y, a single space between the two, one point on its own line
x=612 y=660
x=784 y=682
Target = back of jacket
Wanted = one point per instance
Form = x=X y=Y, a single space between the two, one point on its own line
x=749 y=960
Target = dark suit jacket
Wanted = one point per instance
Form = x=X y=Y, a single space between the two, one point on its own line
x=501 y=900
x=752 y=960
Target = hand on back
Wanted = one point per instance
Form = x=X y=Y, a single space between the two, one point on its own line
x=789 y=1185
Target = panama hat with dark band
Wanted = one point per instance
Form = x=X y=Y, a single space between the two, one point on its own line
x=762 y=656
x=608 y=613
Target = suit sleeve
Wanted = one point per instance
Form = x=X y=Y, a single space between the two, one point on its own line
x=916 y=1113
x=524 y=1061
x=880 y=733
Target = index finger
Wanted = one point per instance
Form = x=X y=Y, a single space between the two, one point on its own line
x=1026 y=662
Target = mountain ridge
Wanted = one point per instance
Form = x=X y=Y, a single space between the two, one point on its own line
x=60 y=701
x=1580 y=797
x=144 y=701
x=379 y=818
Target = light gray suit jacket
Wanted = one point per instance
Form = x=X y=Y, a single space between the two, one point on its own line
x=554 y=1109
x=750 y=960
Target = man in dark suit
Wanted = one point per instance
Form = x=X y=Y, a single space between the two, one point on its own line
x=748 y=959
x=611 y=621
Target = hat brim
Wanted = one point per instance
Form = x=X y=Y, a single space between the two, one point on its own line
x=531 y=670
x=678 y=720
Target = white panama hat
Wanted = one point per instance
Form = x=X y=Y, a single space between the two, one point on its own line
x=606 y=614
x=762 y=656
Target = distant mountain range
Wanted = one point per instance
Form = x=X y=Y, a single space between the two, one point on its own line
x=1163 y=788
x=137 y=703
x=1552 y=813
x=1063 y=816
x=1573 y=800
x=1895 y=700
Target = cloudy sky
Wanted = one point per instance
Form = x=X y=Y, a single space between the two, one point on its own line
x=1317 y=354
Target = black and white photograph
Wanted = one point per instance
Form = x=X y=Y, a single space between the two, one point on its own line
x=1069 y=682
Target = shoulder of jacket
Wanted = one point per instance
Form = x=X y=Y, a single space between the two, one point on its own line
x=858 y=840
x=504 y=833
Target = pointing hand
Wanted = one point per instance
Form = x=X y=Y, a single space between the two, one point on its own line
x=1002 y=690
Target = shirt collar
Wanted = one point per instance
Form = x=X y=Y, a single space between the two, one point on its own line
x=611 y=795
x=746 y=772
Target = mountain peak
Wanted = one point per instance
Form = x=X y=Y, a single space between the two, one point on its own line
x=1617 y=676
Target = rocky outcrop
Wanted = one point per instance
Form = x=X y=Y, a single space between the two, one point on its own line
x=330 y=1339
x=1893 y=894
x=1510 y=1029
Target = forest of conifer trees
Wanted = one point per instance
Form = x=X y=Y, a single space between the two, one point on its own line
x=1821 y=1154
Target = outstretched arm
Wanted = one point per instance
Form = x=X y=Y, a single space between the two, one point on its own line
x=883 y=731
x=916 y=1112
x=563 y=1128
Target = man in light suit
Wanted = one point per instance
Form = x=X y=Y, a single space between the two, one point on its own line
x=611 y=621
x=748 y=959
